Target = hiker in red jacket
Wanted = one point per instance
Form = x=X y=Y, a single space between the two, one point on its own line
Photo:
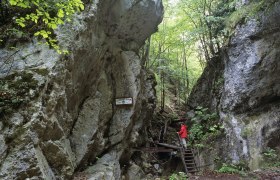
x=183 y=134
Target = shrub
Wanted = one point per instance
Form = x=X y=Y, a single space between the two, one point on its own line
x=233 y=168
x=270 y=153
x=204 y=125
x=179 y=176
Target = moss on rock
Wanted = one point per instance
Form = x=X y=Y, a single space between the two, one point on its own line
x=17 y=89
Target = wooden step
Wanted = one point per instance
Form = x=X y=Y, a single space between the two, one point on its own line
x=188 y=161
x=188 y=155
x=188 y=158
x=190 y=164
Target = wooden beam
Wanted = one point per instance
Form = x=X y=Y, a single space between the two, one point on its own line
x=168 y=145
x=154 y=150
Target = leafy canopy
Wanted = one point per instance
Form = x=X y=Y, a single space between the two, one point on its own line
x=45 y=16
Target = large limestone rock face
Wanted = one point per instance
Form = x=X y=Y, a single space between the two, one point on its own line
x=248 y=102
x=58 y=113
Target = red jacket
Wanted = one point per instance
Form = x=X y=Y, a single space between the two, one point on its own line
x=183 y=131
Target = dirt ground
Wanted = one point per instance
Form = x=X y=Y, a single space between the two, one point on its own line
x=269 y=174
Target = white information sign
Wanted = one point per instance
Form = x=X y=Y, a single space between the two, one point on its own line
x=124 y=101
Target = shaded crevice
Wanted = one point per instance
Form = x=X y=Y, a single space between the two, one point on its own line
x=76 y=119
x=112 y=82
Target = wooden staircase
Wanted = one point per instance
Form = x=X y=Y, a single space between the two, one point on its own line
x=188 y=160
x=187 y=154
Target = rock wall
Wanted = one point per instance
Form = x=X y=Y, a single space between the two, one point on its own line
x=249 y=105
x=58 y=112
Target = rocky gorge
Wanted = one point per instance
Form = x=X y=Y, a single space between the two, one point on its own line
x=242 y=85
x=58 y=113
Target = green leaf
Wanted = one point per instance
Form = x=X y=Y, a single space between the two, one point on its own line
x=23 y=4
x=59 y=21
x=36 y=2
x=39 y=13
x=42 y=13
x=13 y=2
x=45 y=21
x=53 y=26
x=65 y=51
x=45 y=35
x=47 y=15
x=20 y=21
x=60 y=13
x=82 y=7
x=27 y=17
x=37 y=33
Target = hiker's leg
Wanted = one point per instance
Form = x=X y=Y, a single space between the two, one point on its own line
x=184 y=142
x=181 y=141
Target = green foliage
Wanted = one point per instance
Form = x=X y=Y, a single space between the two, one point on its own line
x=241 y=14
x=276 y=164
x=270 y=153
x=207 y=19
x=14 y=32
x=174 y=57
x=232 y=169
x=179 y=176
x=41 y=18
x=204 y=126
x=240 y=168
x=271 y=158
x=245 y=12
x=198 y=145
x=228 y=169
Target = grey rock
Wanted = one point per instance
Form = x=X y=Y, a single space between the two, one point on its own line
x=134 y=172
x=27 y=56
x=70 y=118
x=249 y=72
x=156 y=166
x=25 y=160
x=3 y=147
x=107 y=167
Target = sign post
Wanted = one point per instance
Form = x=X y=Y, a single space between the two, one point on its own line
x=124 y=101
